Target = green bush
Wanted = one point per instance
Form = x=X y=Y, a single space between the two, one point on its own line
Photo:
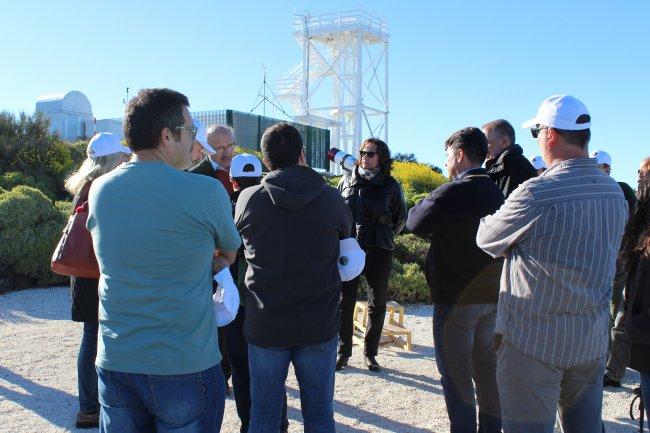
x=15 y=178
x=30 y=227
x=407 y=283
x=26 y=146
x=411 y=249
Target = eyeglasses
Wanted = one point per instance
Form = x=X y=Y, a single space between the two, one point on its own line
x=229 y=147
x=369 y=154
x=535 y=131
x=191 y=129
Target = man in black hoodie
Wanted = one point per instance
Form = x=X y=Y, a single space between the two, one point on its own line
x=291 y=225
x=464 y=283
x=505 y=162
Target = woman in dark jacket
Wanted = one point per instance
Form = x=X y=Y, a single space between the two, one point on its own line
x=636 y=249
x=379 y=211
x=105 y=152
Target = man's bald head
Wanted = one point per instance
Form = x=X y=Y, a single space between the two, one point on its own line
x=221 y=138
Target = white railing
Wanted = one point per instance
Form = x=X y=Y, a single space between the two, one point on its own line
x=340 y=19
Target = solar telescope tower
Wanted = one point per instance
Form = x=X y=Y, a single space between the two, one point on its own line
x=342 y=81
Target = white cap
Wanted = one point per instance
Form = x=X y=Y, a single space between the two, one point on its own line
x=105 y=143
x=202 y=136
x=245 y=165
x=561 y=112
x=602 y=157
x=226 y=299
x=352 y=259
x=538 y=162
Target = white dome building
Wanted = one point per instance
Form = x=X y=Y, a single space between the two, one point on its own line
x=70 y=114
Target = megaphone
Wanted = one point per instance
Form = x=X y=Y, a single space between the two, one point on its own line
x=345 y=160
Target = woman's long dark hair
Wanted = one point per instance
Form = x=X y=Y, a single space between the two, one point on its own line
x=637 y=235
x=385 y=161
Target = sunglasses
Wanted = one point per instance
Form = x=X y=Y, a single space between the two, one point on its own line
x=535 y=131
x=369 y=154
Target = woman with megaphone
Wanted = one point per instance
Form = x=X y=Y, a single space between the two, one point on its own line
x=378 y=208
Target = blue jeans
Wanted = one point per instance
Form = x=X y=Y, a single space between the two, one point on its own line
x=463 y=336
x=645 y=393
x=241 y=381
x=533 y=391
x=183 y=403
x=314 y=367
x=86 y=373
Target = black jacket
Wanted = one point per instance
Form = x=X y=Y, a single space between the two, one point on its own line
x=457 y=270
x=510 y=169
x=205 y=168
x=637 y=313
x=378 y=209
x=291 y=225
x=83 y=291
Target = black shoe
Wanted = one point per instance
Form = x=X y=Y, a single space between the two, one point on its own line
x=342 y=362
x=87 y=420
x=372 y=363
x=608 y=381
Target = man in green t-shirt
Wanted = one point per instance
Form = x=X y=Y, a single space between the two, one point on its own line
x=159 y=235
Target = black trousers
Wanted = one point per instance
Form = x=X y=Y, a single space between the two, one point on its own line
x=241 y=381
x=376 y=271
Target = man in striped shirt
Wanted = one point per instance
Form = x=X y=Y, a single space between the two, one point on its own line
x=559 y=233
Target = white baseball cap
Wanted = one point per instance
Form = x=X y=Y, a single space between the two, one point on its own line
x=352 y=259
x=602 y=157
x=538 y=162
x=561 y=112
x=105 y=143
x=225 y=300
x=245 y=165
x=202 y=136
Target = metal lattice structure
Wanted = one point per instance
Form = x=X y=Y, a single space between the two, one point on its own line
x=342 y=81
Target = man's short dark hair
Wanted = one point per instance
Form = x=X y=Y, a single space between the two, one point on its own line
x=472 y=141
x=148 y=113
x=281 y=146
x=246 y=182
x=503 y=129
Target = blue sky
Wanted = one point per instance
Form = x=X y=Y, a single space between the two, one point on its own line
x=452 y=64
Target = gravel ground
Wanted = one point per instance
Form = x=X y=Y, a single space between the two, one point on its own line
x=38 y=384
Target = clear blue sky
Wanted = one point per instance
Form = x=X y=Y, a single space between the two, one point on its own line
x=452 y=64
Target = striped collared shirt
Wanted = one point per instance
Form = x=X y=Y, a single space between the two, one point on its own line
x=560 y=234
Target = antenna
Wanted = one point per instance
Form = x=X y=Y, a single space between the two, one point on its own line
x=262 y=98
x=126 y=100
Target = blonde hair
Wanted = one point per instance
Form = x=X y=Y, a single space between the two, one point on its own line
x=91 y=169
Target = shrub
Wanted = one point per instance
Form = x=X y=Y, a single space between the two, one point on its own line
x=30 y=227
x=411 y=249
x=416 y=177
x=15 y=178
x=407 y=283
x=26 y=146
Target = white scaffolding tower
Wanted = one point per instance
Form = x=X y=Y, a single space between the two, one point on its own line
x=342 y=81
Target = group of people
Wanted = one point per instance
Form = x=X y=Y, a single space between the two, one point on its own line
x=520 y=268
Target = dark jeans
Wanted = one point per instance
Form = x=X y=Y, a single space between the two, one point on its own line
x=86 y=373
x=241 y=381
x=314 y=367
x=645 y=393
x=463 y=336
x=142 y=403
x=619 y=345
x=377 y=271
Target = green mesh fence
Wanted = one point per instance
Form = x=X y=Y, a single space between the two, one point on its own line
x=248 y=129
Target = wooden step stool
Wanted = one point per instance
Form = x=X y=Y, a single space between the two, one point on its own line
x=394 y=328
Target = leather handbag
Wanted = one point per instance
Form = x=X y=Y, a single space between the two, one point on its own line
x=74 y=255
